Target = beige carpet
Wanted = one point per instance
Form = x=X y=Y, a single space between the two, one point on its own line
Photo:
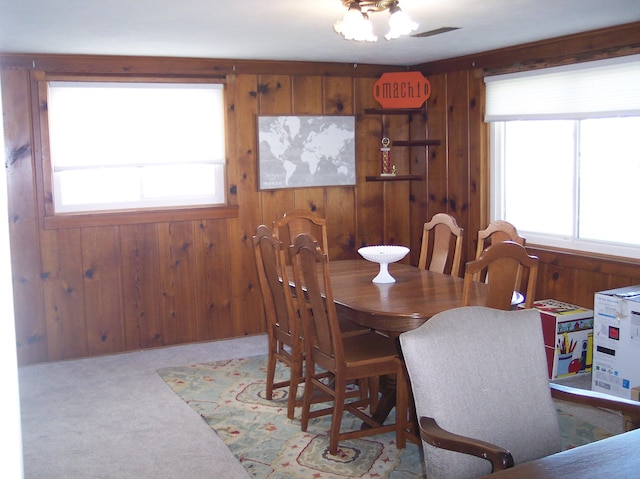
x=112 y=417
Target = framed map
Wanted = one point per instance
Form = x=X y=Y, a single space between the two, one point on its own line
x=306 y=151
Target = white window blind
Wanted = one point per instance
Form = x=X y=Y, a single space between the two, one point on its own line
x=123 y=145
x=596 y=89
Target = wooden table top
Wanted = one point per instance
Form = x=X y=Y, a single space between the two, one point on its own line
x=616 y=457
x=395 y=307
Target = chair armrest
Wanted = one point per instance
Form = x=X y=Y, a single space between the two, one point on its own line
x=595 y=399
x=433 y=434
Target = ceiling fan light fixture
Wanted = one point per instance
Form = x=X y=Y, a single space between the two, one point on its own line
x=355 y=24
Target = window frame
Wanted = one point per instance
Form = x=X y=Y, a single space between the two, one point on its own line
x=545 y=240
x=537 y=111
x=55 y=220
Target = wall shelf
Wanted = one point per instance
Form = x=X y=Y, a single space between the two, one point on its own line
x=395 y=178
x=416 y=143
x=393 y=111
x=397 y=143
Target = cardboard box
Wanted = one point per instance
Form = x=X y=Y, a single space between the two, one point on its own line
x=629 y=422
x=568 y=337
x=616 y=341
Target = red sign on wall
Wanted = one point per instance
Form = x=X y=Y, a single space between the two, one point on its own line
x=402 y=90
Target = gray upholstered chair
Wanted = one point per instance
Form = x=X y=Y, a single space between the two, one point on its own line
x=481 y=373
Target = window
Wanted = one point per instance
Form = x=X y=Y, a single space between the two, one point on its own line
x=565 y=161
x=120 y=145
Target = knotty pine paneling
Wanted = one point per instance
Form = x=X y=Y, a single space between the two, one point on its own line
x=102 y=274
x=64 y=295
x=159 y=279
x=246 y=309
x=475 y=216
x=177 y=258
x=213 y=303
x=28 y=294
x=417 y=189
x=141 y=287
x=340 y=201
x=459 y=162
x=438 y=156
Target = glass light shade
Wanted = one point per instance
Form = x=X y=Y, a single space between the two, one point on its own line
x=353 y=15
x=367 y=30
x=355 y=25
x=399 y=24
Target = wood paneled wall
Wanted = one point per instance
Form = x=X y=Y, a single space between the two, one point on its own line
x=152 y=280
x=125 y=282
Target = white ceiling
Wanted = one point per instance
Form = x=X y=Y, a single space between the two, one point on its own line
x=299 y=30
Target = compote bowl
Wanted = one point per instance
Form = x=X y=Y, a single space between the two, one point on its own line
x=383 y=254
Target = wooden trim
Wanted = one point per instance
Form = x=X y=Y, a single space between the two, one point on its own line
x=610 y=42
x=117 y=218
x=175 y=66
x=85 y=77
x=585 y=261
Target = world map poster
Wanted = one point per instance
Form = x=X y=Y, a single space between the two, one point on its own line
x=306 y=151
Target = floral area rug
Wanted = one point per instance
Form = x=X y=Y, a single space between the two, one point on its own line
x=230 y=396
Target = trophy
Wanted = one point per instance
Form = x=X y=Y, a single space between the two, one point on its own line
x=387 y=169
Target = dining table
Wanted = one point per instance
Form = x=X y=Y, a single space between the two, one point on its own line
x=393 y=308
x=615 y=457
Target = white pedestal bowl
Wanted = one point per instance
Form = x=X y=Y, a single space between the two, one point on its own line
x=383 y=254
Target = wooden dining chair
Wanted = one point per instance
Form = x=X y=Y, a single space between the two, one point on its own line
x=297 y=221
x=441 y=236
x=503 y=264
x=283 y=323
x=496 y=231
x=345 y=359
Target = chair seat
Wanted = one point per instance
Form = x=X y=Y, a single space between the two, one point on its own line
x=364 y=348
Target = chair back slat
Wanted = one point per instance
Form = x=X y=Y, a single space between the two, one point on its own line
x=441 y=248
x=319 y=319
x=283 y=327
x=505 y=265
x=278 y=304
x=299 y=221
x=496 y=232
